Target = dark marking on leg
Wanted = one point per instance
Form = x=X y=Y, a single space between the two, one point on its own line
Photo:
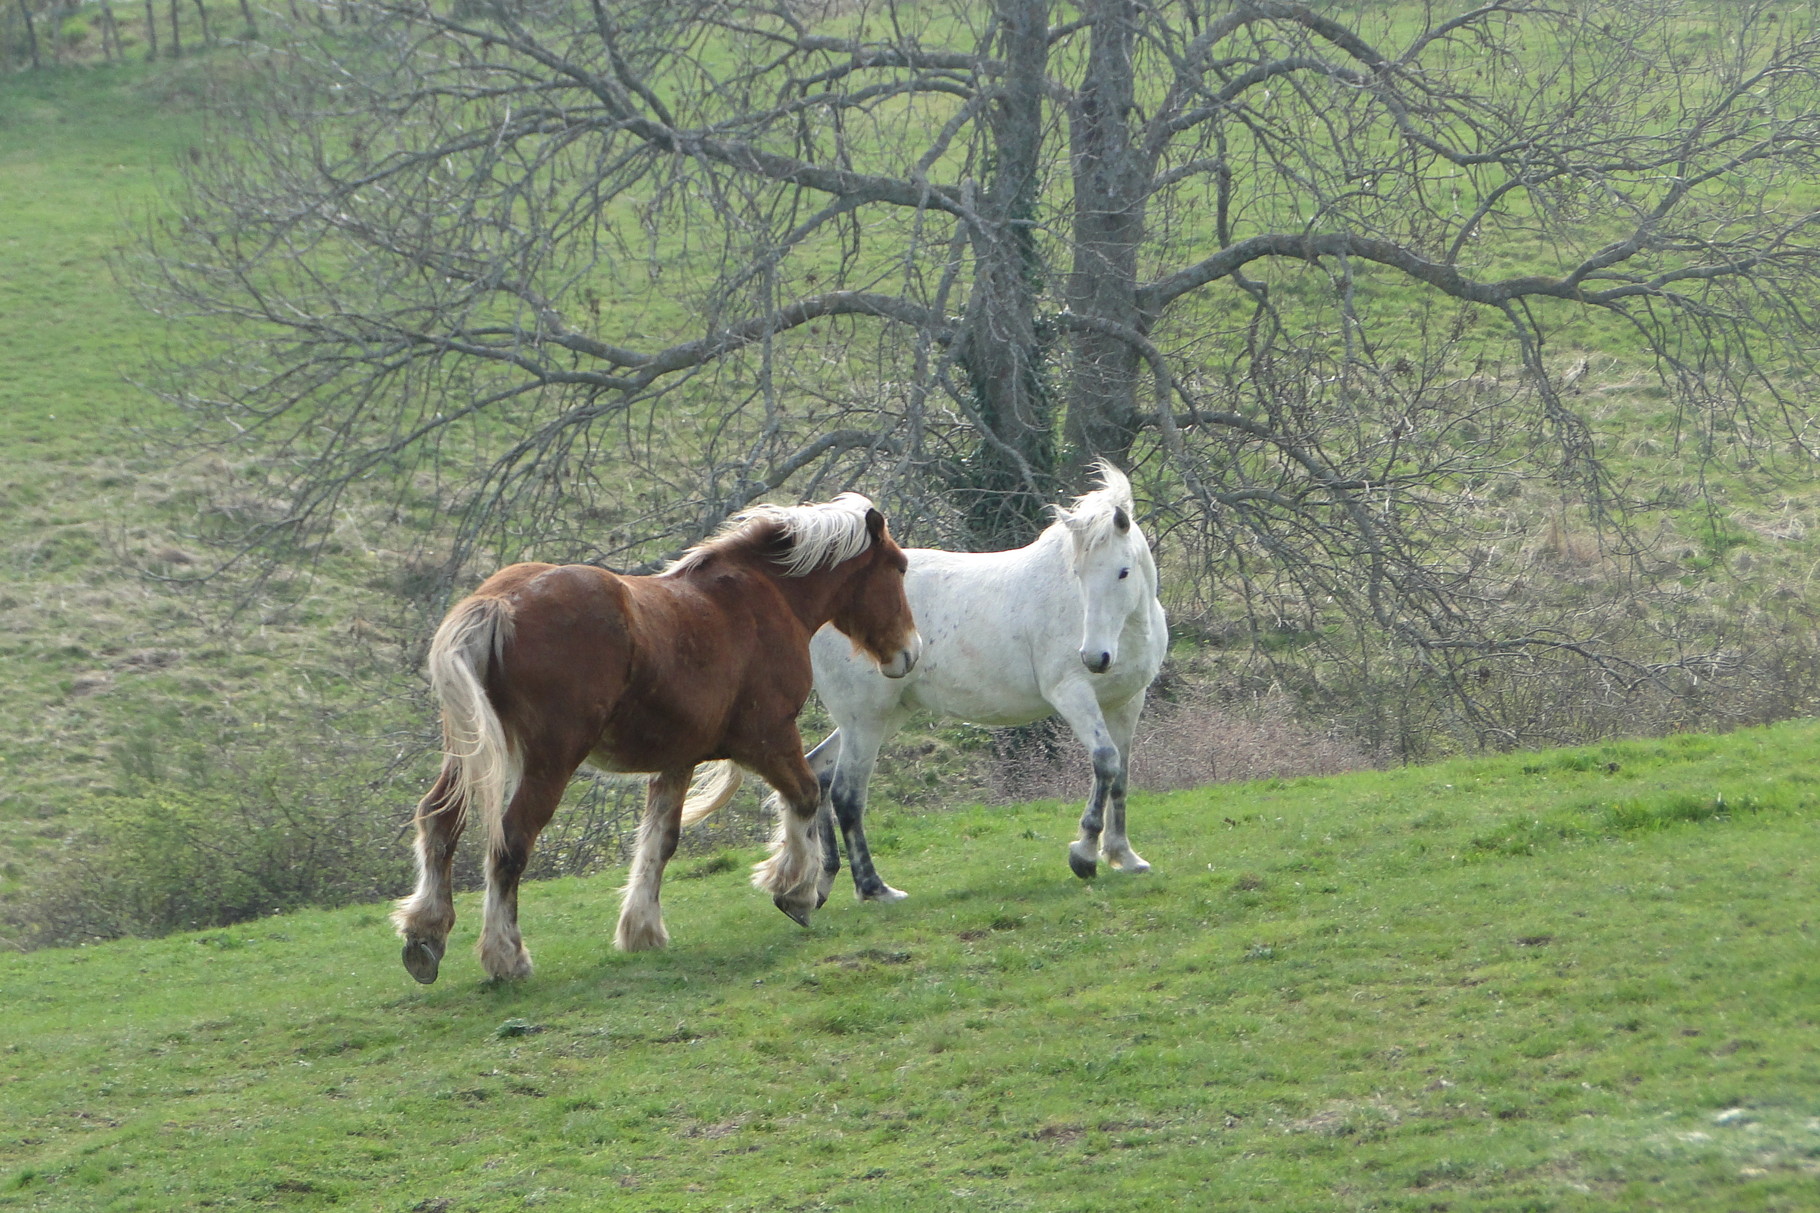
x=1083 y=855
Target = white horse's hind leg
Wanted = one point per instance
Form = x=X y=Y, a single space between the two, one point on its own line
x=1121 y=720
x=641 y=919
x=822 y=760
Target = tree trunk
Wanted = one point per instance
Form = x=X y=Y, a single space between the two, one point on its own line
x=1012 y=470
x=31 y=31
x=151 y=32
x=176 y=37
x=252 y=26
x=1109 y=193
x=110 y=33
x=203 y=12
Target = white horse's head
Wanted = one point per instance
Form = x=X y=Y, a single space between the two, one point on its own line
x=1112 y=562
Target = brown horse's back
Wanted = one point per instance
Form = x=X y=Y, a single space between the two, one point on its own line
x=634 y=673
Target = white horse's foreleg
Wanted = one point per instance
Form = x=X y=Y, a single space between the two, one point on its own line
x=847 y=787
x=1075 y=703
x=641 y=918
x=1121 y=720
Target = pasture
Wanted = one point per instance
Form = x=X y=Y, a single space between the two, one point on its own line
x=1579 y=980
x=1571 y=980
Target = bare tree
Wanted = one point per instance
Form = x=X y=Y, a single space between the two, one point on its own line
x=602 y=273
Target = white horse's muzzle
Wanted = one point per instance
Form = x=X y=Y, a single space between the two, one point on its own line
x=1096 y=663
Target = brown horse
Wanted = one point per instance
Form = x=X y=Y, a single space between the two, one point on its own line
x=546 y=666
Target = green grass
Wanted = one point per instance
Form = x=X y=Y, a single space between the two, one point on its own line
x=82 y=154
x=119 y=682
x=1352 y=993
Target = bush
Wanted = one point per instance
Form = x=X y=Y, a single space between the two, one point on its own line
x=74 y=31
x=159 y=863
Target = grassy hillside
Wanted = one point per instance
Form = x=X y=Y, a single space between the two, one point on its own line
x=80 y=153
x=1576 y=980
x=124 y=680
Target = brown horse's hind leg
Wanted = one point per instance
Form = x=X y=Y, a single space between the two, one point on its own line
x=641 y=919
x=792 y=875
x=502 y=948
x=426 y=917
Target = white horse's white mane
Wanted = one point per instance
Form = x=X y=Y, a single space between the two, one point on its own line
x=1091 y=516
x=821 y=535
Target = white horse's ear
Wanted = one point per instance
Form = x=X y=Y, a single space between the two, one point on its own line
x=1121 y=519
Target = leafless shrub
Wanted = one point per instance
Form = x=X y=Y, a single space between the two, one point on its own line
x=1184 y=742
x=597 y=828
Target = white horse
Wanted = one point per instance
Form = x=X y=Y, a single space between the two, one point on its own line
x=1068 y=626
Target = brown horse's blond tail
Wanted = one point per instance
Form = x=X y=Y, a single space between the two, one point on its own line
x=473 y=737
x=712 y=790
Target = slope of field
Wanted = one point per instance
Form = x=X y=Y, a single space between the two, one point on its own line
x=121 y=679
x=1578 y=980
x=80 y=153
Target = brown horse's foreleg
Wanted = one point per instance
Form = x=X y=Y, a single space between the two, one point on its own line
x=426 y=917
x=641 y=918
x=792 y=874
x=502 y=949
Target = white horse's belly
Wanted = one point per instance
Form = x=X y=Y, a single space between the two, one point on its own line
x=961 y=692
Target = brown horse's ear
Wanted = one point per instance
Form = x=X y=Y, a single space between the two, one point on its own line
x=1121 y=519
x=875 y=524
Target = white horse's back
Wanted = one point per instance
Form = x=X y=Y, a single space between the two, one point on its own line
x=996 y=614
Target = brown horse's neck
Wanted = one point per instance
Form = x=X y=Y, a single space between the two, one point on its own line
x=811 y=596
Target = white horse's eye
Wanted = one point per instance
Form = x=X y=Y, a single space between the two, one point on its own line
x=1124 y=573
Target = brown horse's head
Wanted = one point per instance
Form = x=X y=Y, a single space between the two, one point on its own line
x=871 y=608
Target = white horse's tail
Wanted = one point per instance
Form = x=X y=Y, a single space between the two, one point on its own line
x=474 y=739
x=711 y=790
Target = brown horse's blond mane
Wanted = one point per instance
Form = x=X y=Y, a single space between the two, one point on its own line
x=818 y=535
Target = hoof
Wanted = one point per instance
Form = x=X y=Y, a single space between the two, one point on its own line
x=422 y=959
x=884 y=893
x=797 y=911
x=506 y=961
x=509 y=972
x=1086 y=866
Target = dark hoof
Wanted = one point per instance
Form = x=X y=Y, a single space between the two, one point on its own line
x=797 y=913
x=422 y=959
x=1086 y=869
